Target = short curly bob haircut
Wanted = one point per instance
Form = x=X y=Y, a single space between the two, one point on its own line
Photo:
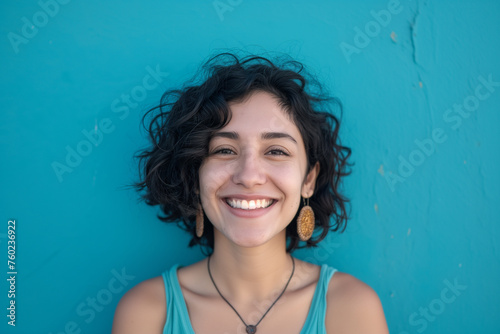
x=182 y=125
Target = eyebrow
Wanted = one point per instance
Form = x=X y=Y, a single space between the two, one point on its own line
x=276 y=135
x=265 y=136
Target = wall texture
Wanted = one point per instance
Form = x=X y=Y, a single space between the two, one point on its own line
x=420 y=83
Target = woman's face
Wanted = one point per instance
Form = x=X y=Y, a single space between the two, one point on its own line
x=252 y=181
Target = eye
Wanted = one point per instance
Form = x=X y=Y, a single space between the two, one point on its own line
x=277 y=151
x=223 y=151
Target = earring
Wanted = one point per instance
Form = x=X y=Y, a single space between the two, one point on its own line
x=305 y=222
x=199 y=222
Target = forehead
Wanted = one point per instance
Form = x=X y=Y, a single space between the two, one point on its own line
x=260 y=112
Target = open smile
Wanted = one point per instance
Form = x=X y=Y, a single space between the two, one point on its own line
x=249 y=204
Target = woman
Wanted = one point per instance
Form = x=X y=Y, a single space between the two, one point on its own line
x=248 y=164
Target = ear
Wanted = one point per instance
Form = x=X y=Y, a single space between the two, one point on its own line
x=310 y=181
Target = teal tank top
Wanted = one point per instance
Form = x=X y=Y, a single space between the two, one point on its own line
x=178 y=316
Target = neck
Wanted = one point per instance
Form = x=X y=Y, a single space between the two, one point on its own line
x=256 y=273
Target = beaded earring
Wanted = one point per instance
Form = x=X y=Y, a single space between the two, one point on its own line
x=305 y=221
x=199 y=222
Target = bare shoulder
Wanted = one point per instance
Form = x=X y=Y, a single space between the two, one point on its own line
x=353 y=307
x=142 y=309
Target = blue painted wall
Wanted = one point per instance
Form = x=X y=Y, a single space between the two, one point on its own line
x=420 y=84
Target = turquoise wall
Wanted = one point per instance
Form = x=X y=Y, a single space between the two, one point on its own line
x=420 y=82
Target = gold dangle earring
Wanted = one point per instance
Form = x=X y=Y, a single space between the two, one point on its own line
x=199 y=221
x=305 y=221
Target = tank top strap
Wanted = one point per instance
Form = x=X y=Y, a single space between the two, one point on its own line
x=178 y=317
x=315 y=322
x=177 y=313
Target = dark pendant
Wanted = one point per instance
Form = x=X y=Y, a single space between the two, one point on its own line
x=251 y=329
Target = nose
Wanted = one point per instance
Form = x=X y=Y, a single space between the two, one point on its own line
x=249 y=171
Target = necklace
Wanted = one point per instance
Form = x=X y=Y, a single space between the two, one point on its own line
x=251 y=329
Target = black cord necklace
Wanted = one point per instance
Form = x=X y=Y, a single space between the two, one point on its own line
x=251 y=329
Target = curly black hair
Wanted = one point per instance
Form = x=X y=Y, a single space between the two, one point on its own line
x=185 y=120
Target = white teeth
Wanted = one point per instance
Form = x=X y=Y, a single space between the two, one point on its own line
x=249 y=205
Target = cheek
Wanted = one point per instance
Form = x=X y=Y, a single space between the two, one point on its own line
x=289 y=179
x=212 y=177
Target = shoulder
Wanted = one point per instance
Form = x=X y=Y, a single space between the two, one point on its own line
x=350 y=300
x=142 y=309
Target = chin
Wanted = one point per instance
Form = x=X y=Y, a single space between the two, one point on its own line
x=249 y=240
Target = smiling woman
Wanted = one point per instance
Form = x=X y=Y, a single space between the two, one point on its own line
x=249 y=162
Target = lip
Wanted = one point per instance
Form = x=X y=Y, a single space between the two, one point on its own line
x=248 y=197
x=248 y=213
